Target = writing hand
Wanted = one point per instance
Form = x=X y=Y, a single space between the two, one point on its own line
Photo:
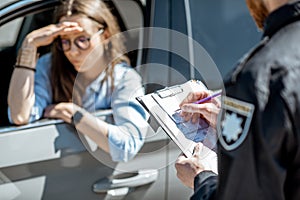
x=208 y=110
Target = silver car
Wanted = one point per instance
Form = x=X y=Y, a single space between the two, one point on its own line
x=48 y=159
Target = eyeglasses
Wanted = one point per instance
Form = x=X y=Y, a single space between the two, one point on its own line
x=82 y=42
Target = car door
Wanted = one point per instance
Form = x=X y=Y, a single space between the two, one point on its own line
x=222 y=31
x=48 y=159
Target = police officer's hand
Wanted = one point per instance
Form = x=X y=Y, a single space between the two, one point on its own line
x=188 y=168
x=208 y=110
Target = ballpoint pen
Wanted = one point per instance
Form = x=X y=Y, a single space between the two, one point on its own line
x=208 y=97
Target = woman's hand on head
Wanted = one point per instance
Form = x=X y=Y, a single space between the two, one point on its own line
x=46 y=35
x=64 y=111
x=208 y=110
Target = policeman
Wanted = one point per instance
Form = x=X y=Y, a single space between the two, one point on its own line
x=259 y=140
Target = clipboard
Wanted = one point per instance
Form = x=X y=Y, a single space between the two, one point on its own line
x=162 y=106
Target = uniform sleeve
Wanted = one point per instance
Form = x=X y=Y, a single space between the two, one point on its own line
x=42 y=88
x=260 y=159
x=205 y=185
x=127 y=136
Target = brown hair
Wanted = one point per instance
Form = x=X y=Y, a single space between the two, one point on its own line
x=63 y=73
x=258 y=11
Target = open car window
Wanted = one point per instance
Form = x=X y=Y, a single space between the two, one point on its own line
x=9 y=33
x=10 y=41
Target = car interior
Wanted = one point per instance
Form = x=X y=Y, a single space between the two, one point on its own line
x=37 y=20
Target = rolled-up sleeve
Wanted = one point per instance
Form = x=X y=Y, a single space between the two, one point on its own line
x=42 y=87
x=127 y=136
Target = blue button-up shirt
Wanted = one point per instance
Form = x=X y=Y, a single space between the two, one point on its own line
x=127 y=134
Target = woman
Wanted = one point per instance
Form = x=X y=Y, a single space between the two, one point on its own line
x=84 y=72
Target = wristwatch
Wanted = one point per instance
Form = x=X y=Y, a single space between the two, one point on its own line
x=76 y=118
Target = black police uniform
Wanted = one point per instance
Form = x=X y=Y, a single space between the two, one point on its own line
x=265 y=163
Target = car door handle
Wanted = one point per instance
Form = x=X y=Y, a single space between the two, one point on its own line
x=124 y=181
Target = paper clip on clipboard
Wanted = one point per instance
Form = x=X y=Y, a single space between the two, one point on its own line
x=169 y=91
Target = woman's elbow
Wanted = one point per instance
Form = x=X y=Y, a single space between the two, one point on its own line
x=19 y=119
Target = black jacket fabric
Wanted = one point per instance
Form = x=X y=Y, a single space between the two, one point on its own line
x=266 y=165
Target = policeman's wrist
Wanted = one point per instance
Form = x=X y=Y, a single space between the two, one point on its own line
x=203 y=176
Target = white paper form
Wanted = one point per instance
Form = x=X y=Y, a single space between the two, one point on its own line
x=169 y=126
x=169 y=100
x=162 y=105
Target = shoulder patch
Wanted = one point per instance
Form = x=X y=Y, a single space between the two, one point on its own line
x=235 y=123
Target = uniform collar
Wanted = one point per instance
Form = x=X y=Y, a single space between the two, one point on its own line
x=281 y=17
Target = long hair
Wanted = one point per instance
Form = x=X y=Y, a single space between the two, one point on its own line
x=63 y=73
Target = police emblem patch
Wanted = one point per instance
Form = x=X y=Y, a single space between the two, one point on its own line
x=235 y=122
